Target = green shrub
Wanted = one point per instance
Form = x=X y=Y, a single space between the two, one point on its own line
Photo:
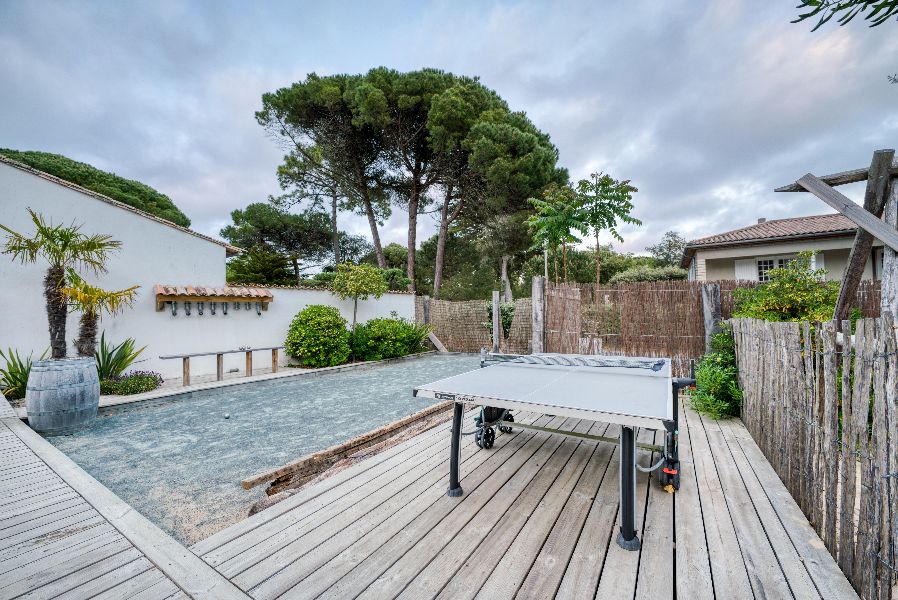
x=389 y=338
x=395 y=279
x=646 y=273
x=318 y=337
x=113 y=360
x=717 y=392
x=135 y=382
x=795 y=292
x=14 y=375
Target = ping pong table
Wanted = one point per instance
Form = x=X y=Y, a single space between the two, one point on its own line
x=630 y=392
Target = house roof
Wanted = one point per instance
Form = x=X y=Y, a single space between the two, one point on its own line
x=229 y=249
x=796 y=228
x=201 y=291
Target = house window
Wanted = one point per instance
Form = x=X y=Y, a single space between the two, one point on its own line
x=765 y=265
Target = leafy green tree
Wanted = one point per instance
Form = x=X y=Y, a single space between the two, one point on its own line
x=558 y=215
x=301 y=238
x=130 y=192
x=63 y=247
x=876 y=12
x=93 y=302
x=353 y=248
x=330 y=148
x=358 y=282
x=260 y=266
x=318 y=336
x=605 y=201
x=669 y=251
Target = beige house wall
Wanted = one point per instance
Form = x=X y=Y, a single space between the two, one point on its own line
x=720 y=263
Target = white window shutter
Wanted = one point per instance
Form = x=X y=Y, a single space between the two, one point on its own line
x=747 y=268
x=819 y=263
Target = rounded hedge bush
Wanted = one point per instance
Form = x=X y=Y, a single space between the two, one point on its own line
x=318 y=337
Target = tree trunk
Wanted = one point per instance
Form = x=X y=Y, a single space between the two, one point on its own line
x=335 y=233
x=375 y=236
x=412 y=234
x=555 y=263
x=506 y=282
x=441 y=243
x=87 y=335
x=355 y=308
x=295 y=262
x=598 y=259
x=57 y=310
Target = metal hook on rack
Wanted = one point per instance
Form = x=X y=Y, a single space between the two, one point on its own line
x=187 y=308
x=213 y=306
x=259 y=308
x=224 y=308
x=199 y=307
x=246 y=305
x=174 y=308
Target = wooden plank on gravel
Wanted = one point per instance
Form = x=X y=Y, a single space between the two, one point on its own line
x=548 y=569
x=621 y=567
x=375 y=487
x=374 y=466
x=419 y=564
x=727 y=566
x=491 y=475
x=827 y=577
x=693 y=562
x=764 y=571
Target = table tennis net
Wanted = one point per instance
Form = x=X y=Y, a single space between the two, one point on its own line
x=579 y=360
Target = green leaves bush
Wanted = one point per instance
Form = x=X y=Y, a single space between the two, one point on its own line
x=389 y=338
x=717 y=392
x=135 y=382
x=646 y=273
x=113 y=360
x=14 y=374
x=506 y=316
x=318 y=337
x=795 y=292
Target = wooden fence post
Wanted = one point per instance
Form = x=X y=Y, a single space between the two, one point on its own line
x=219 y=367
x=889 y=294
x=185 y=370
x=274 y=360
x=497 y=322
x=538 y=299
x=249 y=363
x=711 y=311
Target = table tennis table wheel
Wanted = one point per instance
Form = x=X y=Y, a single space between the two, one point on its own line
x=508 y=418
x=485 y=437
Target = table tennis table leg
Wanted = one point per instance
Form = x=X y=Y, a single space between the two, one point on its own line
x=454 y=486
x=626 y=538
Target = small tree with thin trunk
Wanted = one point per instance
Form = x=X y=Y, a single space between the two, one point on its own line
x=63 y=247
x=358 y=282
x=93 y=302
x=603 y=202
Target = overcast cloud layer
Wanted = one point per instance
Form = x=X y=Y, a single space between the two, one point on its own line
x=705 y=106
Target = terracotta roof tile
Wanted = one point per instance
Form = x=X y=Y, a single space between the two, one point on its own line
x=201 y=291
x=797 y=227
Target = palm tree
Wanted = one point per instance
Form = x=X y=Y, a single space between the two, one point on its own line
x=93 y=302
x=558 y=214
x=63 y=247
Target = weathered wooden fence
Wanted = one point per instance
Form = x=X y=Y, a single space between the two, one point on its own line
x=823 y=407
x=462 y=325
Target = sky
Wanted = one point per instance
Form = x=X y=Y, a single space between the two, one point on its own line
x=705 y=106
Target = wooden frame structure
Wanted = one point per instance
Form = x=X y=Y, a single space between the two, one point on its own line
x=878 y=217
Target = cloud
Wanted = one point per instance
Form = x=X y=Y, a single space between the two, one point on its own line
x=706 y=107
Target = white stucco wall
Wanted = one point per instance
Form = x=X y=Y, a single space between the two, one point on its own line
x=151 y=253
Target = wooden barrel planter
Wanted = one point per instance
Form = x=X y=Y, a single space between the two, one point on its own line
x=62 y=395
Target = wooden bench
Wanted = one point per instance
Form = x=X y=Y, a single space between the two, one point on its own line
x=219 y=359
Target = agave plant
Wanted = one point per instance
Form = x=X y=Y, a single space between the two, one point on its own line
x=113 y=360
x=93 y=302
x=14 y=375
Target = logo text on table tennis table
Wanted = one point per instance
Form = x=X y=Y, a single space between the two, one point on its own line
x=454 y=397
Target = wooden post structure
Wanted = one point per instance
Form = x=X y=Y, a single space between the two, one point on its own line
x=538 y=322
x=185 y=371
x=219 y=367
x=497 y=322
x=880 y=199
x=274 y=360
x=249 y=363
x=711 y=311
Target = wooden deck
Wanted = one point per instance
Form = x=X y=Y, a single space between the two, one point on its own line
x=537 y=520
x=64 y=535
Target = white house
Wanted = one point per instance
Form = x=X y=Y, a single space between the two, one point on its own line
x=154 y=251
x=749 y=252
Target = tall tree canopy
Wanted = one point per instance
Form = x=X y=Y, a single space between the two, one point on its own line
x=669 y=251
x=130 y=192
x=302 y=239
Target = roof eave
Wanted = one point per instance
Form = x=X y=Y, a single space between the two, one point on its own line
x=691 y=249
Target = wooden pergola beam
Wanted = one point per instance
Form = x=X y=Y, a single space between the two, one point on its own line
x=855 y=176
x=855 y=213
x=874 y=202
